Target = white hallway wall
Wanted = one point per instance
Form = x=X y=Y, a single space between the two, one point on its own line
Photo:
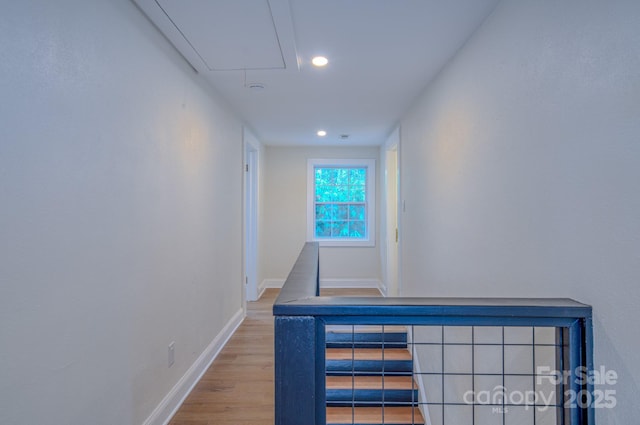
x=120 y=214
x=520 y=170
x=285 y=208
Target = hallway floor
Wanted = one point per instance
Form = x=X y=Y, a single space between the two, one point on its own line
x=237 y=389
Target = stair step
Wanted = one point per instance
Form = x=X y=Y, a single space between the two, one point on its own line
x=367 y=354
x=369 y=371
x=373 y=415
x=371 y=390
x=371 y=382
x=366 y=329
x=366 y=361
x=371 y=337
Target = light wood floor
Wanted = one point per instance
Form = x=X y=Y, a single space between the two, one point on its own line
x=238 y=387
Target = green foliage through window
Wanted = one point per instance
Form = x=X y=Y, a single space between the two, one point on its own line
x=340 y=195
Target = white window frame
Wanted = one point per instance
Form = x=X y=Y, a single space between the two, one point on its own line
x=370 y=164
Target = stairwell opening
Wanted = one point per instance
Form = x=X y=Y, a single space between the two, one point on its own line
x=440 y=375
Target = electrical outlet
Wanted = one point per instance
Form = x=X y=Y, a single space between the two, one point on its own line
x=172 y=353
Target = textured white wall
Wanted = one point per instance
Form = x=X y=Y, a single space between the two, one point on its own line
x=285 y=220
x=520 y=171
x=120 y=214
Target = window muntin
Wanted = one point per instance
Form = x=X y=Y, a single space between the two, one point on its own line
x=341 y=202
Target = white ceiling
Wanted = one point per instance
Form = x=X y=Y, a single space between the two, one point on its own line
x=382 y=54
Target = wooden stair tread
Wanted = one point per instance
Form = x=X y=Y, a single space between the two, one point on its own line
x=365 y=329
x=367 y=354
x=371 y=382
x=367 y=386
x=373 y=415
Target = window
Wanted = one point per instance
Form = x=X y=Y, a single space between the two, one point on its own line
x=341 y=202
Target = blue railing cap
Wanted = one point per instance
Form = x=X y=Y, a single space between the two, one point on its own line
x=378 y=306
x=302 y=281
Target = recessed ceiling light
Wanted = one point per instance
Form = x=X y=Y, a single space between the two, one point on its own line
x=322 y=133
x=319 y=61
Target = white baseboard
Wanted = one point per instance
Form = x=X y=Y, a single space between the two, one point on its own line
x=382 y=287
x=261 y=290
x=350 y=283
x=330 y=283
x=170 y=404
x=270 y=283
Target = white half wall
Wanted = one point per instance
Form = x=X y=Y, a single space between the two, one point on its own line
x=521 y=167
x=120 y=216
x=285 y=220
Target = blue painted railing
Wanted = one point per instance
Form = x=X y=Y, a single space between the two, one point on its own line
x=301 y=316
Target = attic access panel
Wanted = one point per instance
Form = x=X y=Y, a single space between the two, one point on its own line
x=227 y=34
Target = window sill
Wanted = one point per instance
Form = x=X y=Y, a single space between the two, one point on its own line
x=344 y=243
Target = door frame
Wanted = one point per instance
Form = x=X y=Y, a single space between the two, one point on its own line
x=250 y=200
x=392 y=190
